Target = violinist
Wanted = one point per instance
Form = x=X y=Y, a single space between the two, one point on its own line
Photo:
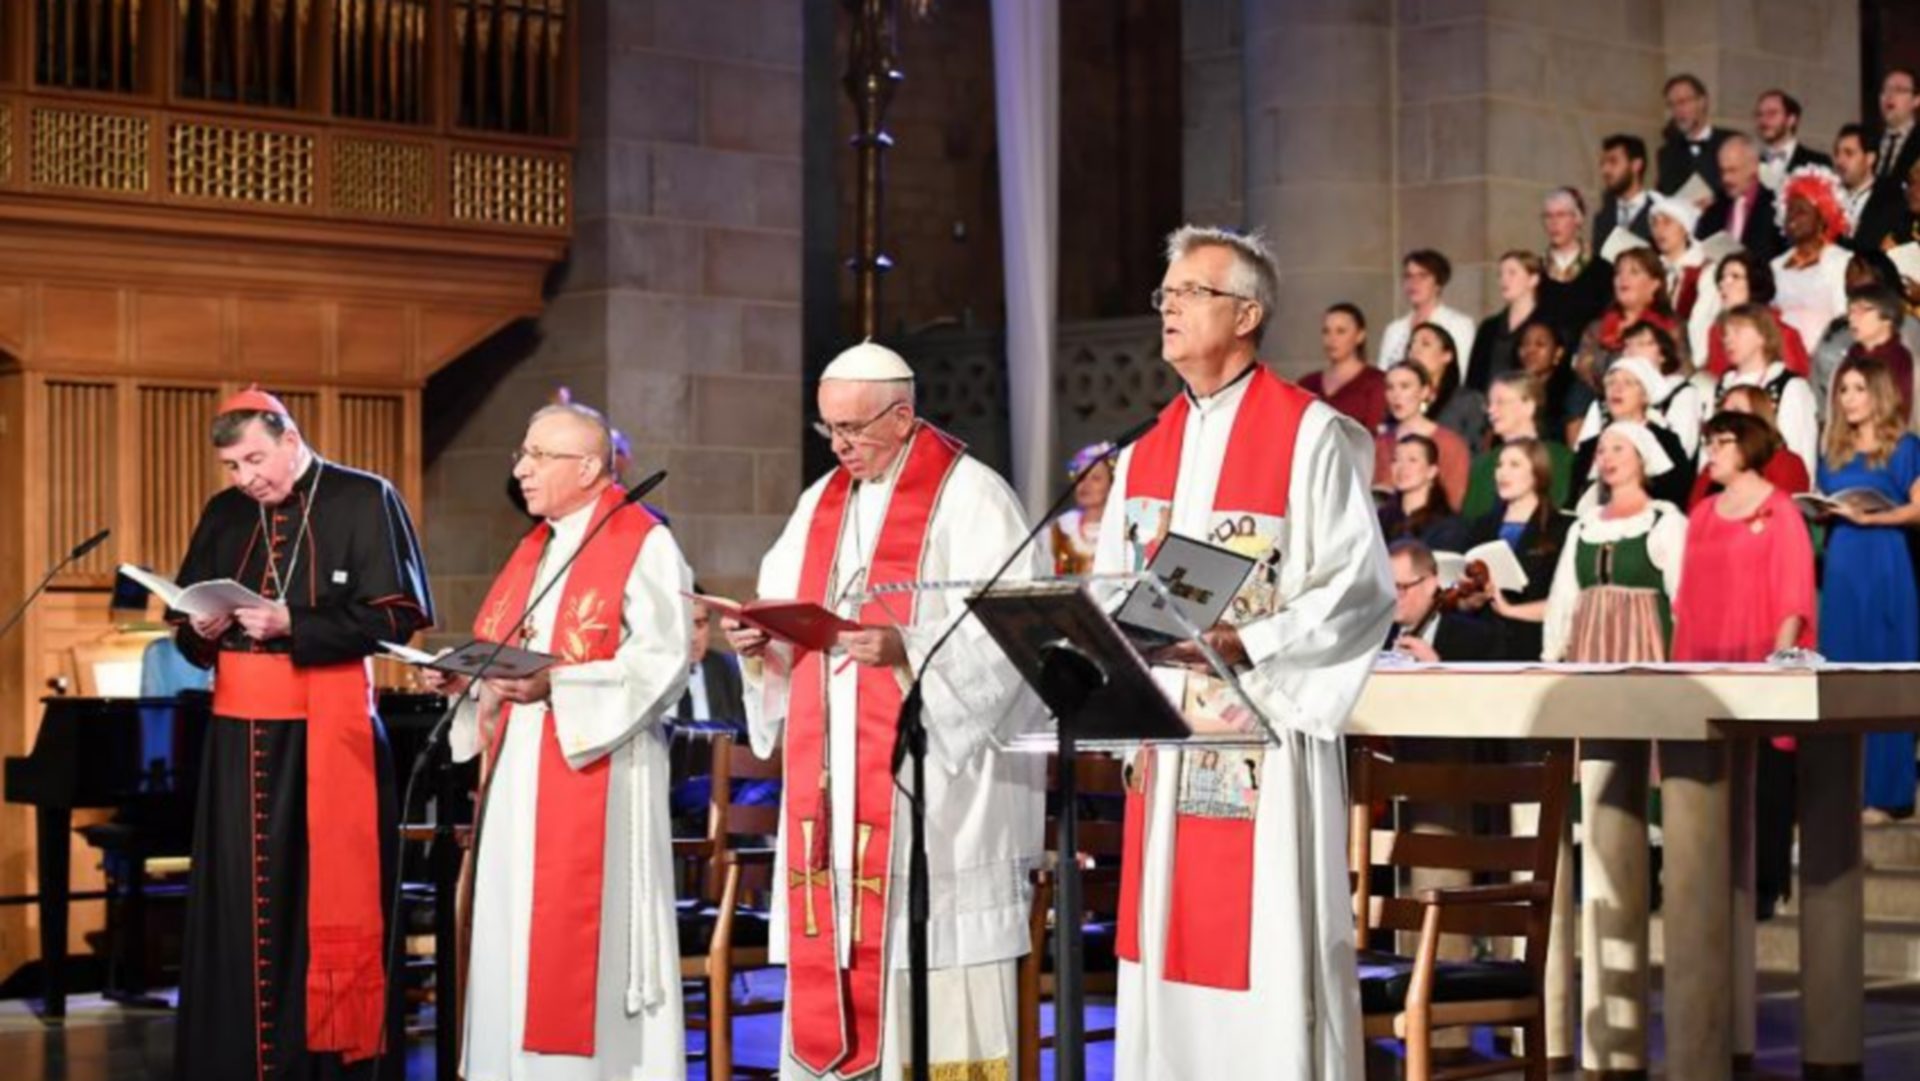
x=1424 y=626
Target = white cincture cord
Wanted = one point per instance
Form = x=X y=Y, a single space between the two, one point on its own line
x=641 y=966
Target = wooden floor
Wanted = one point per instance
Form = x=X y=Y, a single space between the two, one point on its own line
x=102 y=1041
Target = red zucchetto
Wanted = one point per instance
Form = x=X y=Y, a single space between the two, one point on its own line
x=254 y=400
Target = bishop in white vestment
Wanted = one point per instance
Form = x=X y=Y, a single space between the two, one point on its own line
x=574 y=968
x=905 y=504
x=1236 y=923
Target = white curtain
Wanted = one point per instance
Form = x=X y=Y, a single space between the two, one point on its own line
x=1026 y=84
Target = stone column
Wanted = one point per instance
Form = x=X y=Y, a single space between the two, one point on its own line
x=1832 y=907
x=678 y=311
x=1319 y=160
x=1613 y=928
x=1746 y=1016
x=1698 y=998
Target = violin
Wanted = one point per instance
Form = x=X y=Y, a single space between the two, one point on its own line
x=1474 y=581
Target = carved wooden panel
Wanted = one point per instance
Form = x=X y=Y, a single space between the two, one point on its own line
x=372 y=434
x=503 y=188
x=382 y=177
x=82 y=449
x=91 y=150
x=240 y=164
x=178 y=473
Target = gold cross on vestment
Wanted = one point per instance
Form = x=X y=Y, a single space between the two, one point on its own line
x=870 y=883
x=807 y=877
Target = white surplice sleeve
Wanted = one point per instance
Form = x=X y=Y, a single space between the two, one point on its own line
x=1563 y=598
x=600 y=704
x=765 y=680
x=972 y=695
x=1311 y=658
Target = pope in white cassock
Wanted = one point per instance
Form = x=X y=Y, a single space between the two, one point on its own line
x=1235 y=929
x=905 y=504
x=574 y=969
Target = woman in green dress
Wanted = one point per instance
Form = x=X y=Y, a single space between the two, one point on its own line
x=1612 y=594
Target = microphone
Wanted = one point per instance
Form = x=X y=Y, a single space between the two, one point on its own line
x=912 y=745
x=79 y=551
x=642 y=489
x=439 y=733
x=1121 y=442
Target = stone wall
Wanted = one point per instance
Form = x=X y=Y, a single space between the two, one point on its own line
x=678 y=311
x=1372 y=127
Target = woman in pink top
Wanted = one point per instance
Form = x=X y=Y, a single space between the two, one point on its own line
x=1746 y=590
x=1410 y=391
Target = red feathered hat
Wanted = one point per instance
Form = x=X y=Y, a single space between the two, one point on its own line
x=1820 y=187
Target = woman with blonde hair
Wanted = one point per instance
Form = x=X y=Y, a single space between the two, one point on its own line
x=1869 y=607
x=1755 y=351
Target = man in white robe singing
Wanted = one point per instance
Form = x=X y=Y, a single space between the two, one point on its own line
x=905 y=504
x=1235 y=928
x=574 y=967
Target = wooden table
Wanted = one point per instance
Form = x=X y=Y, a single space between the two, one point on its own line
x=1702 y=722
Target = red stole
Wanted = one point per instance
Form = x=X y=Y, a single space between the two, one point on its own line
x=570 y=820
x=1210 y=909
x=346 y=983
x=837 y=1017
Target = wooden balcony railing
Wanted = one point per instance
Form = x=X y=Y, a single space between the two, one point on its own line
x=455 y=114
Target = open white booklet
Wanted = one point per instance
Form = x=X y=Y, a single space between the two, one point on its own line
x=220 y=597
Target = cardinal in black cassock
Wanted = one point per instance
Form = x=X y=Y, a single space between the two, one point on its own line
x=283 y=976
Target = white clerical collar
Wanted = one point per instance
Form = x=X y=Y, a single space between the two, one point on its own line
x=571 y=525
x=1226 y=395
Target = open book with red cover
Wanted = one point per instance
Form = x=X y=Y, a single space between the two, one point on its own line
x=802 y=623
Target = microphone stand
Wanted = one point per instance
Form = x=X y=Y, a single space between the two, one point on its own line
x=79 y=551
x=1068 y=1025
x=443 y=831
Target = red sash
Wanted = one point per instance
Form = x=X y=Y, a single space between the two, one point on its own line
x=1210 y=909
x=346 y=983
x=570 y=820
x=837 y=1019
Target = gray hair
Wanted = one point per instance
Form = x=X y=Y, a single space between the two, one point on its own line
x=230 y=427
x=1254 y=274
x=603 y=432
x=1744 y=142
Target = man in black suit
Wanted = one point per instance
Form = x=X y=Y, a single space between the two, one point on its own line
x=1898 y=149
x=712 y=702
x=1690 y=144
x=1776 y=123
x=1874 y=205
x=1745 y=206
x=1420 y=629
x=1623 y=174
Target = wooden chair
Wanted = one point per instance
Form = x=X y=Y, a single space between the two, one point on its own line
x=1408 y=998
x=724 y=930
x=1100 y=778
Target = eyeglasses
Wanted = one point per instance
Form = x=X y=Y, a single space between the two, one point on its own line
x=542 y=457
x=849 y=431
x=1402 y=587
x=1184 y=293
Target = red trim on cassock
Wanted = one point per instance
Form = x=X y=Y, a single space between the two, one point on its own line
x=1210 y=905
x=346 y=982
x=570 y=818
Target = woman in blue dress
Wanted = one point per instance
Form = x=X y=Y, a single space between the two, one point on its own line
x=1868 y=605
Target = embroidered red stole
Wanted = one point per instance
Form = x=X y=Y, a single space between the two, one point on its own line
x=1210 y=906
x=570 y=819
x=346 y=983
x=837 y=1017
